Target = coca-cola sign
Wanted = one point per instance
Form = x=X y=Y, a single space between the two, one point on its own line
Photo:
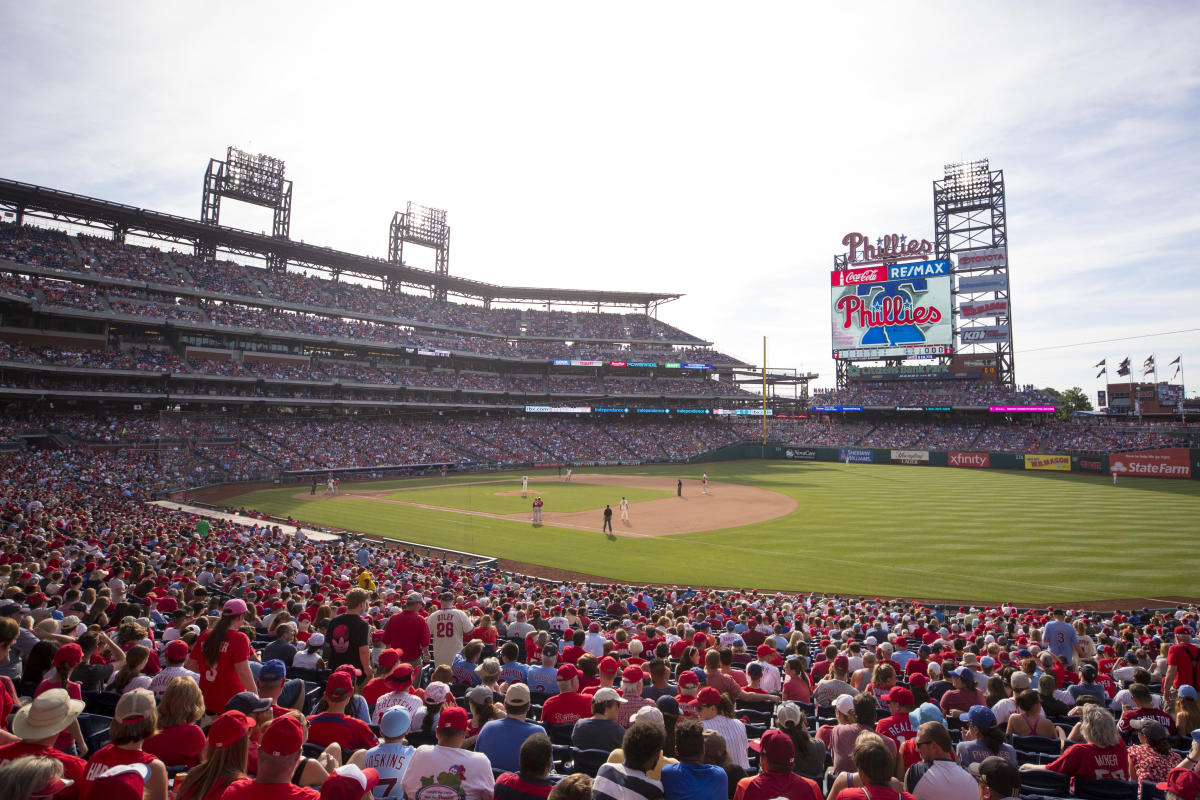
x=976 y=460
x=885 y=249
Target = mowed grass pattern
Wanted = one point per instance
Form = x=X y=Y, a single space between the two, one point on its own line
x=955 y=534
x=557 y=496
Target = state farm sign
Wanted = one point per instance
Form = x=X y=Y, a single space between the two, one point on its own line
x=1169 y=462
x=976 y=460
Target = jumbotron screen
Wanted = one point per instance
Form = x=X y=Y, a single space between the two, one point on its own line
x=896 y=310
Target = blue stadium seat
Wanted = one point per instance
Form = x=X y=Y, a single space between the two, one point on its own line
x=1043 y=782
x=1107 y=789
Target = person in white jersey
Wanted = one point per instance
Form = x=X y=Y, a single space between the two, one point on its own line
x=448 y=627
x=390 y=757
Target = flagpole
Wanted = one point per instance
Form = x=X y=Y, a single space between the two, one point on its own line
x=1182 y=391
x=1132 y=406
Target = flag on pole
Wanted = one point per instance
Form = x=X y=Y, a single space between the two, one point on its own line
x=1149 y=362
x=1177 y=360
x=1102 y=372
x=1103 y=361
x=1123 y=369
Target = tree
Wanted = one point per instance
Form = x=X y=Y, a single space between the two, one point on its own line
x=1070 y=401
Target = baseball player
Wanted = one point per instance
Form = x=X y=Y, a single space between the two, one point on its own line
x=624 y=510
x=537 y=509
x=607 y=519
x=568 y=473
x=524 y=484
x=703 y=483
x=678 y=487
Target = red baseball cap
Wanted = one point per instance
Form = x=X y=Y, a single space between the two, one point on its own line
x=1183 y=630
x=452 y=718
x=70 y=654
x=228 y=728
x=609 y=666
x=388 y=658
x=901 y=642
x=401 y=674
x=841 y=662
x=777 y=747
x=688 y=678
x=568 y=672
x=349 y=782
x=764 y=650
x=633 y=675
x=1183 y=783
x=900 y=695
x=283 y=737
x=708 y=696
x=339 y=684
x=918 y=679
x=177 y=650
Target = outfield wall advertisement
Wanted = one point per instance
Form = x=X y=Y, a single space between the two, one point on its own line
x=856 y=456
x=1049 y=462
x=895 y=310
x=910 y=457
x=1169 y=462
x=976 y=460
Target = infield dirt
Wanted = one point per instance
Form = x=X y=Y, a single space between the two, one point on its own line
x=725 y=506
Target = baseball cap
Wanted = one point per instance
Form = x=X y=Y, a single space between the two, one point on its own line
x=489 y=666
x=233 y=607
x=124 y=782
x=1183 y=783
x=349 y=782
x=1088 y=672
x=52 y=788
x=283 y=737
x=177 y=650
x=1183 y=630
x=272 y=671
x=516 y=695
x=1187 y=691
x=316 y=640
x=980 y=717
x=633 y=675
x=964 y=674
x=549 y=649
x=777 y=747
x=437 y=692
x=668 y=705
x=708 y=696
x=1000 y=776
x=401 y=675
x=228 y=728
x=609 y=666
x=452 y=718
x=567 y=672
x=688 y=678
x=918 y=679
x=481 y=695
x=388 y=658
x=788 y=714
x=648 y=714
x=607 y=695
x=841 y=663
x=987 y=661
x=900 y=695
x=1019 y=680
x=69 y=654
x=339 y=684
x=844 y=703
x=134 y=706
x=250 y=703
x=395 y=722
x=1151 y=728
x=901 y=642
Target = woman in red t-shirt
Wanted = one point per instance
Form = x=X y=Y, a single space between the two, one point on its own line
x=873 y=779
x=486 y=631
x=179 y=741
x=221 y=657
x=134 y=721
x=225 y=758
x=797 y=687
x=66 y=658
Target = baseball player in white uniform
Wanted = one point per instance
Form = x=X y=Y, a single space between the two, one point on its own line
x=624 y=510
x=568 y=473
x=524 y=484
x=703 y=483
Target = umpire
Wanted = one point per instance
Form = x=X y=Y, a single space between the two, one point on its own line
x=607 y=519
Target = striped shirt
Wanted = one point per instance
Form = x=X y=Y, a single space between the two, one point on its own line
x=734 y=733
x=619 y=782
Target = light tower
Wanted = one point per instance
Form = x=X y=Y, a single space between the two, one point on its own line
x=251 y=178
x=426 y=227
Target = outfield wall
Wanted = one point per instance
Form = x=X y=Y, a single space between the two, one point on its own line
x=1141 y=463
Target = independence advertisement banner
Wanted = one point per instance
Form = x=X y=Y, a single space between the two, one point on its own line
x=897 y=310
x=1051 y=462
x=1169 y=462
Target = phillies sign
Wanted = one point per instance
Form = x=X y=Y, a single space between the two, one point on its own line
x=976 y=460
x=892 y=247
x=984 y=308
x=1169 y=462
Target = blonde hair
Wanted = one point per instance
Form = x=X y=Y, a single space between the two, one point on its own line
x=28 y=774
x=181 y=704
x=1098 y=726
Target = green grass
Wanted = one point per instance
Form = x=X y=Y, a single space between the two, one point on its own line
x=557 y=495
x=867 y=529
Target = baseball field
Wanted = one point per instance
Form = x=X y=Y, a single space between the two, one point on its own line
x=934 y=533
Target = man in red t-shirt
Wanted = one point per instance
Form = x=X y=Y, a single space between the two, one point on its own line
x=1183 y=662
x=278 y=755
x=568 y=706
x=408 y=631
x=38 y=724
x=777 y=753
x=332 y=725
x=898 y=727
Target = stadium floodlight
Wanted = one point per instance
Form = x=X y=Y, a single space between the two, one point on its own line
x=424 y=226
x=254 y=178
x=967 y=180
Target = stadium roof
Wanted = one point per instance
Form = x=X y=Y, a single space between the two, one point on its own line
x=26 y=198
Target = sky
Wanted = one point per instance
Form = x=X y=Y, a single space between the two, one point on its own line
x=713 y=150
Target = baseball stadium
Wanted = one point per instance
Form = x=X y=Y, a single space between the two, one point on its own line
x=282 y=519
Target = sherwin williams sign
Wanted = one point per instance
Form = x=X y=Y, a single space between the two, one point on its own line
x=1050 y=462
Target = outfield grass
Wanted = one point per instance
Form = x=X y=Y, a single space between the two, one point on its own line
x=867 y=529
x=557 y=496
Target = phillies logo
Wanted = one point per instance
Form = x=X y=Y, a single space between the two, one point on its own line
x=978 y=460
x=889 y=312
x=886 y=248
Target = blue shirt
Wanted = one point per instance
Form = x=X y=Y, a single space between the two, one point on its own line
x=542 y=679
x=390 y=760
x=514 y=672
x=687 y=781
x=1060 y=638
x=463 y=671
x=501 y=740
